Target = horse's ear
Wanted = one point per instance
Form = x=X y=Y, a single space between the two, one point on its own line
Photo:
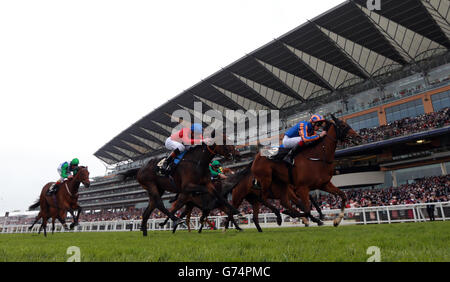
x=334 y=118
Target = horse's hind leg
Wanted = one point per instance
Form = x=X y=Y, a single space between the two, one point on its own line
x=303 y=206
x=53 y=225
x=316 y=205
x=330 y=188
x=256 y=205
x=44 y=226
x=35 y=221
x=63 y=222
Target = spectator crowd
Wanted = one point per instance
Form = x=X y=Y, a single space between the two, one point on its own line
x=402 y=127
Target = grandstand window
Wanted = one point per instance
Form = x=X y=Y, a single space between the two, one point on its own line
x=447 y=166
x=365 y=121
x=441 y=101
x=409 y=109
x=408 y=175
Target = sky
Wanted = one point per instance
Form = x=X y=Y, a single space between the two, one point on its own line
x=74 y=74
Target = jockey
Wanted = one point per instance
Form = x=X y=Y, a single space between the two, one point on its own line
x=65 y=171
x=216 y=170
x=302 y=134
x=180 y=142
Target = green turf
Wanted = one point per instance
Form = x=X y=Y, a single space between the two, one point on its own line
x=428 y=241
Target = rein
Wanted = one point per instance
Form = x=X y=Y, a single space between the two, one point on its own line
x=68 y=191
x=323 y=148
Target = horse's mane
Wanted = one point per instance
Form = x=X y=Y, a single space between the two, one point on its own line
x=237 y=178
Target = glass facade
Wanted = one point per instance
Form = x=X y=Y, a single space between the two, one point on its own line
x=409 y=109
x=408 y=175
x=447 y=166
x=365 y=121
x=441 y=101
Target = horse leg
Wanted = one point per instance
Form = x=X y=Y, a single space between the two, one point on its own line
x=330 y=188
x=303 y=206
x=172 y=210
x=78 y=215
x=316 y=205
x=272 y=208
x=286 y=202
x=63 y=222
x=188 y=212
x=205 y=214
x=148 y=211
x=256 y=205
x=221 y=200
x=53 y=225
x=35 y=221
x=44 y=225
x=154 y=195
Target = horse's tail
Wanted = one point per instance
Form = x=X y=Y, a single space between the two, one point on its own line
x=35 y=205
x=238 y=177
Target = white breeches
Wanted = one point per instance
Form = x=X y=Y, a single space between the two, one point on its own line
x=291 y=142
x=172 y=145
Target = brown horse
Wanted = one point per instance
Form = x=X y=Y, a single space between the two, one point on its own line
x=205 y=202
x=191 y=175
x=245 y=189
x=64 y=200
x=313 y=168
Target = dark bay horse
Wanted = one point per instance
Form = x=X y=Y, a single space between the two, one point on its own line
x=205 y=202
x=191 y=175
x=313 y=168
x=64 y=200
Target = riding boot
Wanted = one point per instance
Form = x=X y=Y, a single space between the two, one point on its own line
x=52 y=189
x=289 y=158
x=165 y=165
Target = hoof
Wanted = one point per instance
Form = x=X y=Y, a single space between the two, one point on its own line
x=319 y=223
x=336 y=222
x=279 y=221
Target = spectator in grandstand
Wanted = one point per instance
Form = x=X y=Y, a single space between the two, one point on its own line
x=403 y=127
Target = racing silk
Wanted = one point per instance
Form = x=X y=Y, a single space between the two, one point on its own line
x=64 y=170
x=184 y=136
x=303 y=129
x=215 y=173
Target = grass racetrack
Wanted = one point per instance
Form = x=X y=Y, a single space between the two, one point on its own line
x=427 y=241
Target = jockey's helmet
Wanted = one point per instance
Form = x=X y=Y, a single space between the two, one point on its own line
x=196 y=128
x=75 y=162
x=316 y=118
x=215 y=163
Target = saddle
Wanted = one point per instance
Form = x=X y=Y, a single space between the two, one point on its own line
x=275 y=153
x=171 y=166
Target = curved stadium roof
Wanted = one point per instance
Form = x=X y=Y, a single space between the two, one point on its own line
x=347 y=45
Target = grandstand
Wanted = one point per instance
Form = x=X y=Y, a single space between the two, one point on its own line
x=386 y=72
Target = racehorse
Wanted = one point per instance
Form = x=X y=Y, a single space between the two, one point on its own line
x=190 y=175
x=64 y=200
x=313 y=168
x=245 y=189
x=205 y=202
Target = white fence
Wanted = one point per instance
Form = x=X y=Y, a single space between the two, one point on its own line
x=367 y=215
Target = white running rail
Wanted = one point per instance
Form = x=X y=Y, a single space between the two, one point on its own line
x=367 y=215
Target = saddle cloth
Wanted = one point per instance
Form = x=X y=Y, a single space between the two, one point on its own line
x=275 y=153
